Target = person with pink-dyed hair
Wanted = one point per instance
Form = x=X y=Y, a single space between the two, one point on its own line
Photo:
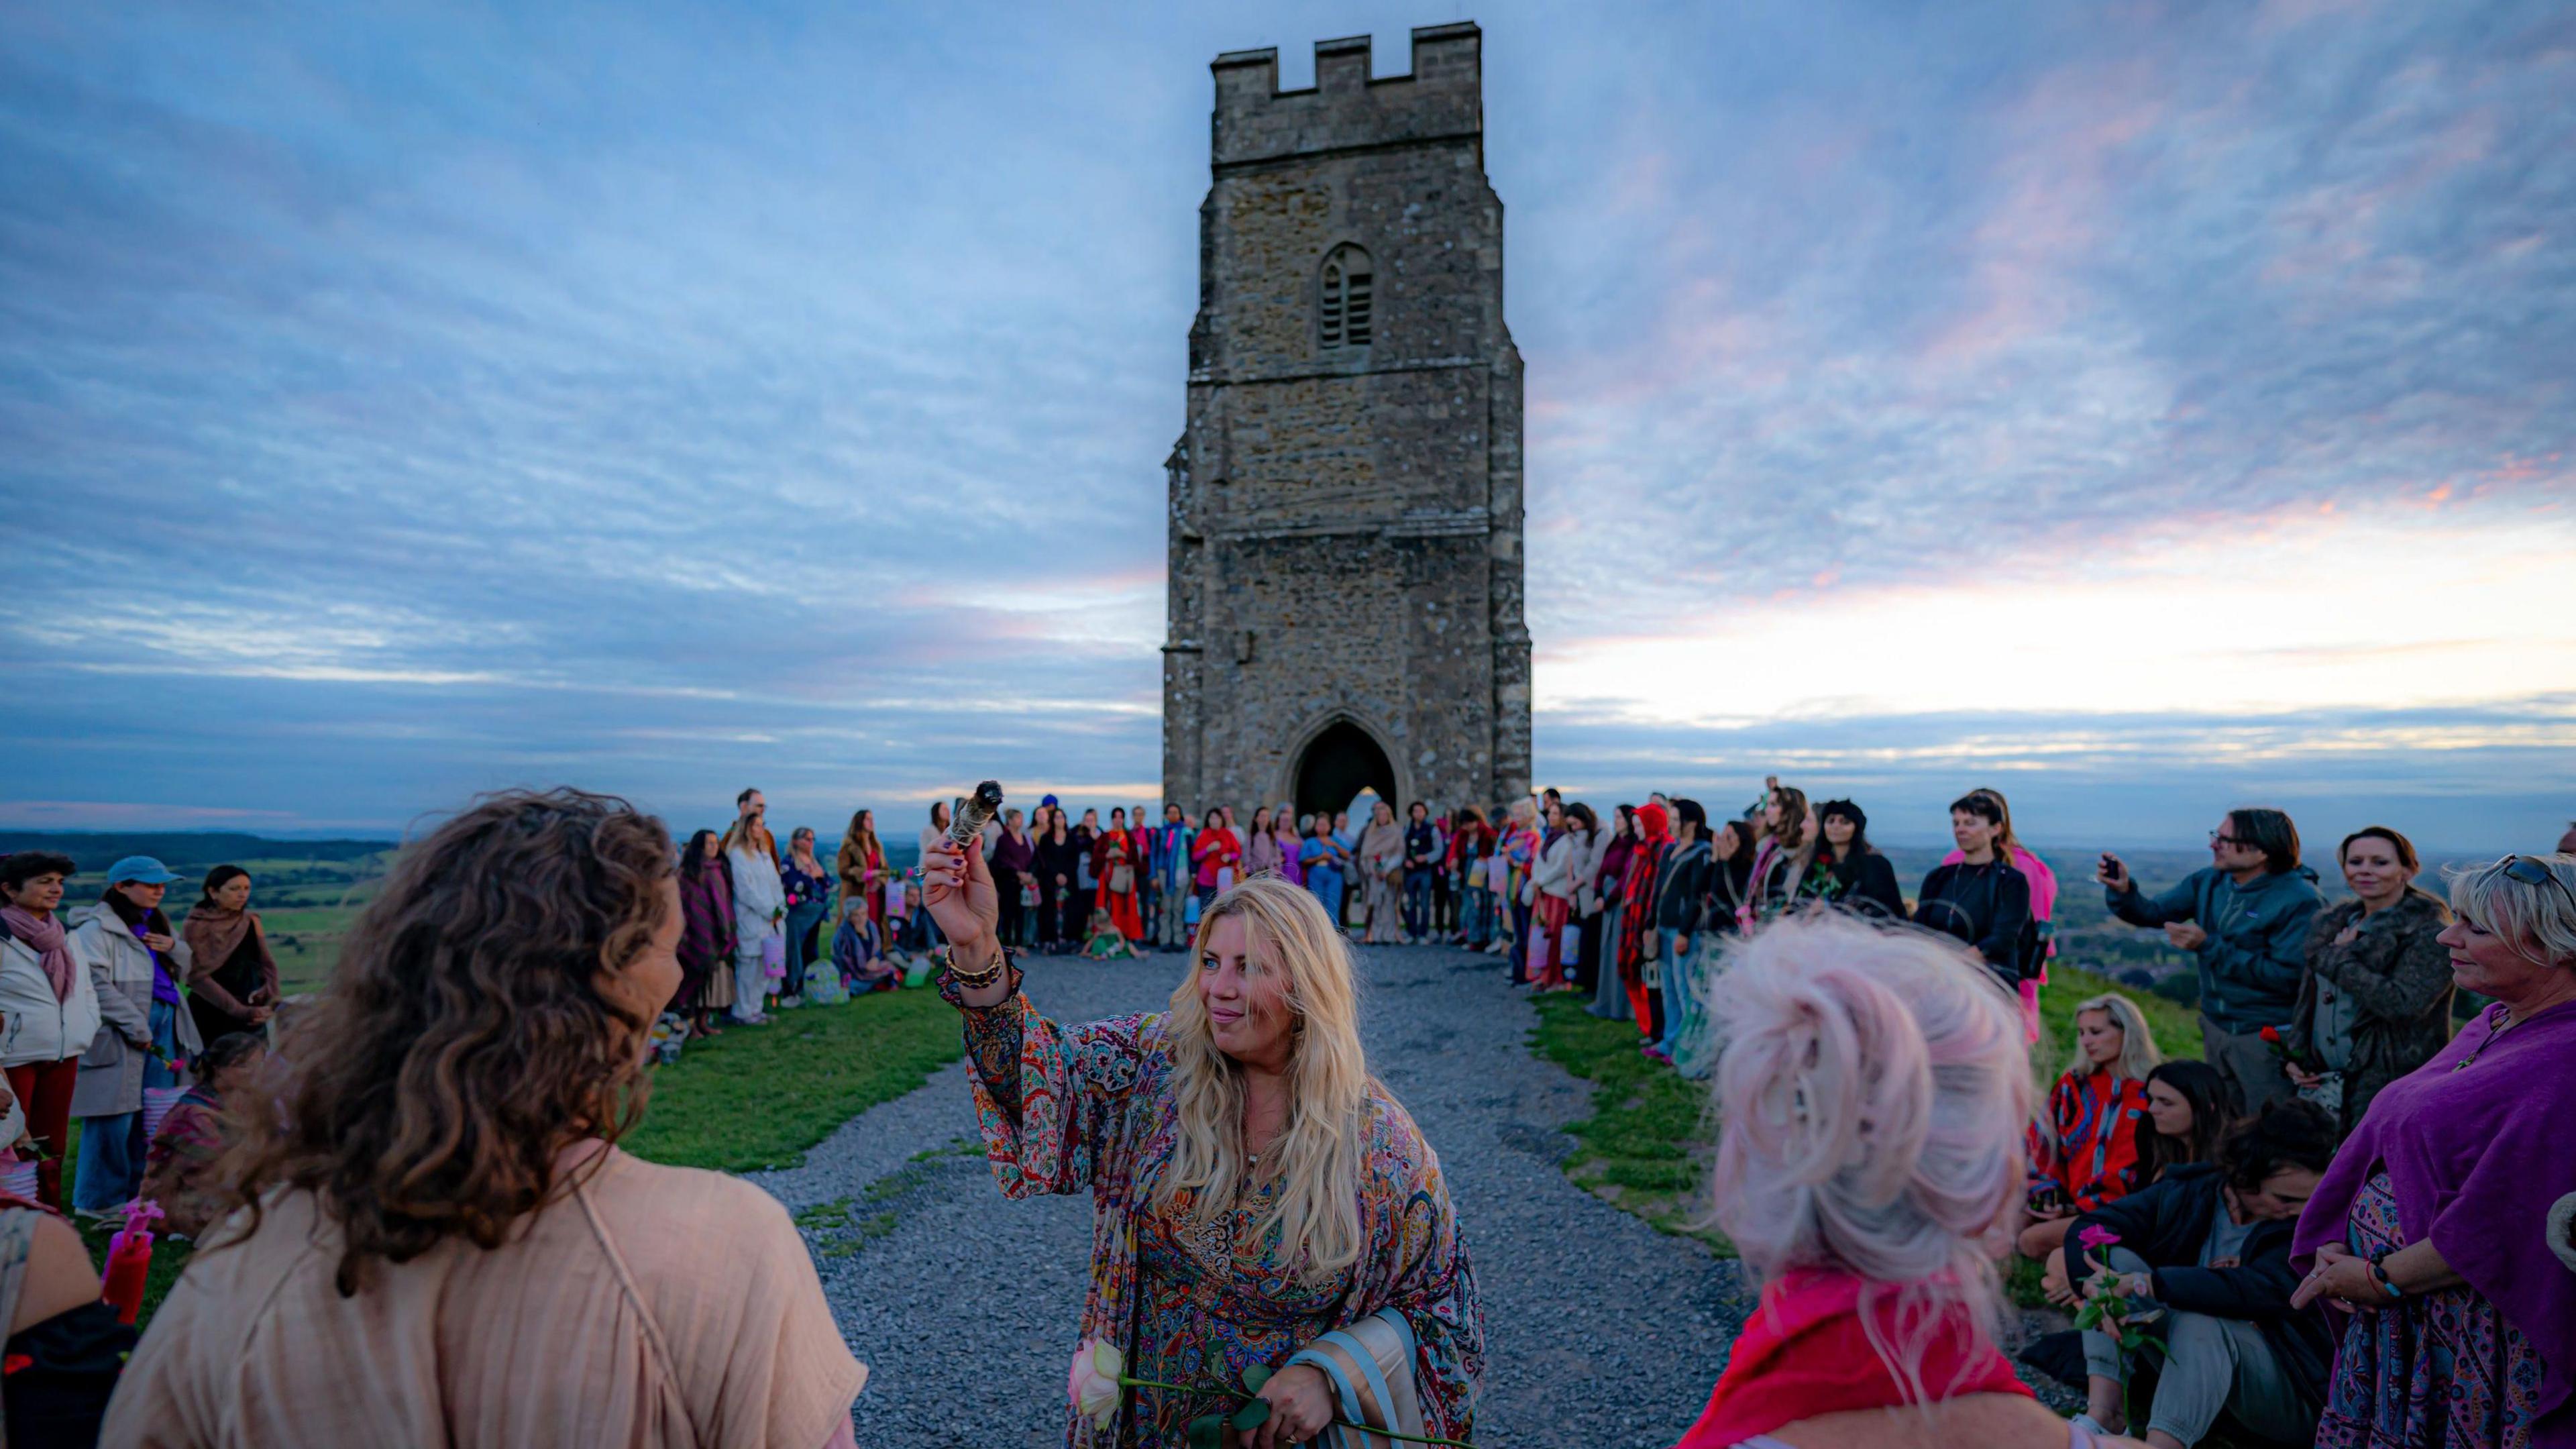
x=1872 y=1088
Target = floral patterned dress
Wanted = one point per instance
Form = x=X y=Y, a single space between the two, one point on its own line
x=2438 y=1370
x=1092 y=1108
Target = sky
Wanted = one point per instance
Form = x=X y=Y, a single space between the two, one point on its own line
x=2143 y=408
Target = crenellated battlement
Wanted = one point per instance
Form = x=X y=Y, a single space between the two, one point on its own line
x=1441 y=100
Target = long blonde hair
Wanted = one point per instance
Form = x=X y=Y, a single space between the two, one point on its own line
x=2138 y=1054
x=1318 y=1155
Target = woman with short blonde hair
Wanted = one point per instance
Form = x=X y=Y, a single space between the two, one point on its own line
x=2436 y=1212
x=1260 y=1201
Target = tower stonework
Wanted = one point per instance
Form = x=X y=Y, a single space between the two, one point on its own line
x=1345 y=505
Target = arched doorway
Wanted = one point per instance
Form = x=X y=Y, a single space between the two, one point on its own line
x=1338 y=764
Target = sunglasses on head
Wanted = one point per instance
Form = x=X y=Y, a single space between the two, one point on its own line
x=2530 y=870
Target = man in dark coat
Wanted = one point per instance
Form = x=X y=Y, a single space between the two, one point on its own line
x=2205 y=1250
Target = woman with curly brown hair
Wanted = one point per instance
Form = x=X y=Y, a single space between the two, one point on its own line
x=442 y=1243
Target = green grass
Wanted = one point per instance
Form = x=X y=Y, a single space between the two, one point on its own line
x=1643 y=1146
x=755 y=1097
x=759 y=1096
x=2175 y=1028
x=1646 y=1143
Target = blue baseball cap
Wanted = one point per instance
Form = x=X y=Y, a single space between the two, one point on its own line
x=1048 y=800
x=140 y=869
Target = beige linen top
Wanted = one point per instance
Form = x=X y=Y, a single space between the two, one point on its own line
x=652 y=1306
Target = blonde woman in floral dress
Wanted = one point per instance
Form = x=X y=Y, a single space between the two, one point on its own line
x=1259 y=1199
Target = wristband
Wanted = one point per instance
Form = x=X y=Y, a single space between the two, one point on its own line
x=2379 y=1273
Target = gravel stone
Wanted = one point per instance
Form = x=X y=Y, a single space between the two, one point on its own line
x=1600 y=1331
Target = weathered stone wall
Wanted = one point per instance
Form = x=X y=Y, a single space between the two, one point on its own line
x=1345 y=522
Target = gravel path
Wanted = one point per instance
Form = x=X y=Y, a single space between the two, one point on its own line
x=1600 y=1331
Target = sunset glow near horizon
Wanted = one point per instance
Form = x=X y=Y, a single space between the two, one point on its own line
x=2146 y=410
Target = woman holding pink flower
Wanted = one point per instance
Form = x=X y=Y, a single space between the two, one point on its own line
x=1274 y=1252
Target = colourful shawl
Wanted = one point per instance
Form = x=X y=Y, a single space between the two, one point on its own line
x=1645 y=863
x=45 y=936
x=1091 y=1108
x=2478 y=1144
x=2090 y=1146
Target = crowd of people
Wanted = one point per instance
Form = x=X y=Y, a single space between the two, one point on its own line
x=2351 y=1221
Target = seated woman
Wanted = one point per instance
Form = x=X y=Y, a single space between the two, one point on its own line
x=1106 y=941
x=2436 y=1214
x=2206 y=1252
x=2187 y=1108
x=1260 y=1200
x=65 y=1347
x=1872 y=1097
x=179 y=1167
x=443 y=1243
x=2085 y=1152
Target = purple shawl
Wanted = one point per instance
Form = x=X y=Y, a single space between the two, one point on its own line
x=2476 y=1156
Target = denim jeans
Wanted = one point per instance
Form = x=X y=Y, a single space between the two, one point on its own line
x=803 y=922
x=112 y=1148
x=1679 y=1009
x=1417 y=902
x=1327 y=886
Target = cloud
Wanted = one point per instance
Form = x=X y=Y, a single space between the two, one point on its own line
x=398 y=405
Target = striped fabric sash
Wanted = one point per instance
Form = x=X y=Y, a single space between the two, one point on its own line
x=1371 y=1366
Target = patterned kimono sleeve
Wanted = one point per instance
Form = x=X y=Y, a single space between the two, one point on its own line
x=1048 y=1097
x=1428 y=1316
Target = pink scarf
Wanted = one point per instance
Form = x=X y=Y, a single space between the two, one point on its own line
x=44 y=936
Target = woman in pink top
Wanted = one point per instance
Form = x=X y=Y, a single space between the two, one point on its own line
x=439 y=1241
x=2043 y=904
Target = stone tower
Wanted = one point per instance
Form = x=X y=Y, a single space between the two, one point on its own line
x=1345 y=525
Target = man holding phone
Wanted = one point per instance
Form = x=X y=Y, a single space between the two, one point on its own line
x=2245 y=918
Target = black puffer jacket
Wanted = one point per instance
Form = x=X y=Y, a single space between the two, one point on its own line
x=2167 y=1224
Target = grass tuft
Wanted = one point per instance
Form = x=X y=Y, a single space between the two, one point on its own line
x=758 y=1097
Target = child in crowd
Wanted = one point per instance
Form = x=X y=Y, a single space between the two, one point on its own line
x=2088 y=1149
x=1107 y=943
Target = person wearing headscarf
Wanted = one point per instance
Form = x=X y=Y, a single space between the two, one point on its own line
x=1115 y=864
x=136 y=963
x=1381 y=856
x=232 y=981
x=49 y=1004
x=1637 y=936
x=706 y=938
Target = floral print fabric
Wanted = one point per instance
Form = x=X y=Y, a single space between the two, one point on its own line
x=2440 y=1370
x=1091 y=1108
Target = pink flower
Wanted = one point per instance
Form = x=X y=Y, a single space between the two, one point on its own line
x=2097 y=1236
x=1093 y=1382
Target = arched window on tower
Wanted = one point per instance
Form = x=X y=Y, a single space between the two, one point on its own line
x=1344 y=295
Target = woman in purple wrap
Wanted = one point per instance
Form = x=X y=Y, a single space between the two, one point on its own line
x=2432 y=1230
